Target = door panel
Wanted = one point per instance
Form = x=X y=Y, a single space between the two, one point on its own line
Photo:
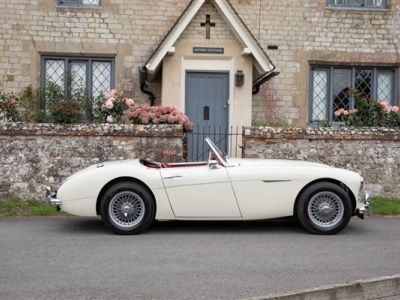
x=206 y=105
x=264 y=193
x=200 y=192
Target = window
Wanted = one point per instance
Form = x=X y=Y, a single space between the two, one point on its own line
x=329 y=87
x=357 y=3
x=78 y=2
x=96 y=75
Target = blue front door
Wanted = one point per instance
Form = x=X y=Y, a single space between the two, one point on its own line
x=206 y=105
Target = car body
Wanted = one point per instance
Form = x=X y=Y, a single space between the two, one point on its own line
x=130 y=194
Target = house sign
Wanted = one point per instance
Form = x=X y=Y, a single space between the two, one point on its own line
x=208 y=50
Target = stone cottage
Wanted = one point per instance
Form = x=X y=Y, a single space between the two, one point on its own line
x=225 y=63
x=222 y=62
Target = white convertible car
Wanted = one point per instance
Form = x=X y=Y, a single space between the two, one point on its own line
x=130 y=194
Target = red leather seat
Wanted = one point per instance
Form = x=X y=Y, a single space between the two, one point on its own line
x=165 y=165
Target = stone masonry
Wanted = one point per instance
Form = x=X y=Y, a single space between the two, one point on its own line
x=372 y=152
x=305 y=31
x=35 y=155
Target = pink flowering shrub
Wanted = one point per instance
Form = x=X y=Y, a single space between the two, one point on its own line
x=146 y=114
x=110 y=108
x=369 y=113
x=9 y=107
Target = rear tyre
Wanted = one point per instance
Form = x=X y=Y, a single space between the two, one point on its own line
x=324 y=208
x=127 y=208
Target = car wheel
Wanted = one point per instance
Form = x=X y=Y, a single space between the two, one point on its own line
x=127 y=208
x=324 y=208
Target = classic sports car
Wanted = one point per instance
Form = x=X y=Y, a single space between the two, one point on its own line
x=130 y=194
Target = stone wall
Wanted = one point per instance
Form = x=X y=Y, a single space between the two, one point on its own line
x=305 y=31
x=372 y=152
x=35 y=155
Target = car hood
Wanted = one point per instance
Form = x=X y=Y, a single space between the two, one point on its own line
x=274 y=162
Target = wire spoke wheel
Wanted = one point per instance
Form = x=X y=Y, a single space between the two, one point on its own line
x=126 y=209
x=326 y=209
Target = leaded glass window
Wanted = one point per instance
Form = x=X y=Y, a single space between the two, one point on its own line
x=94 y=75
x=101 y=77
x=330 y=86
x=385 y=86
x=341 y=84
x=78 y=2
x=357 y=3
x=54 y=70
x=320 y=94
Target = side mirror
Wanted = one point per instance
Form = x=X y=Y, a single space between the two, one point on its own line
x=213 y=165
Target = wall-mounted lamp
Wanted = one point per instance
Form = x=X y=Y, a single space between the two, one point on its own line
x=239 y=78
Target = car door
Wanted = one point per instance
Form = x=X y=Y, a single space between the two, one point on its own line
x=265 y=192
x=200 y=192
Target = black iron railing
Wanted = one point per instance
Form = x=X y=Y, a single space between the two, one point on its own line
x=228 y=139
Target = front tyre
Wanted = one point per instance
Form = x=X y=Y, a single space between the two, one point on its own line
x=324 y=208
x=127 y=208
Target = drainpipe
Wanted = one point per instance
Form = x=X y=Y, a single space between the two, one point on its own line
x=257 y=84
x=142 y=80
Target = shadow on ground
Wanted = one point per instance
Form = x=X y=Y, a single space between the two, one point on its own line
x=84 y=225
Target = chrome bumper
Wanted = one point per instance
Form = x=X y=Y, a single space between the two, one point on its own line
x=366 y=209
x=50 y=200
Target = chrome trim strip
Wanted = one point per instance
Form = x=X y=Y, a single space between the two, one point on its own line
x=270 y=181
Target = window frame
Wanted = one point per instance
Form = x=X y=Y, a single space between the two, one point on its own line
x=330 y=82
x=364 y=6
x=76 y=4
x=68 y=60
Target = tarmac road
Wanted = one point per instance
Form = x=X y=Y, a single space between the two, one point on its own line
x=78 y=258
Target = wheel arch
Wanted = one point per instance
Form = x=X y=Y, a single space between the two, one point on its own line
x=118 y=180
x=334 y=181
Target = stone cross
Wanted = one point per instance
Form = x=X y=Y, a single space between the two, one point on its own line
x=207 y=24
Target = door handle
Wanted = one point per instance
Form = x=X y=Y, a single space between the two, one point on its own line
x=173 y=176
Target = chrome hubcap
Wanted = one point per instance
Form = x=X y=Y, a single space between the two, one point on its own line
x=326 y=209
x=126 y=209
